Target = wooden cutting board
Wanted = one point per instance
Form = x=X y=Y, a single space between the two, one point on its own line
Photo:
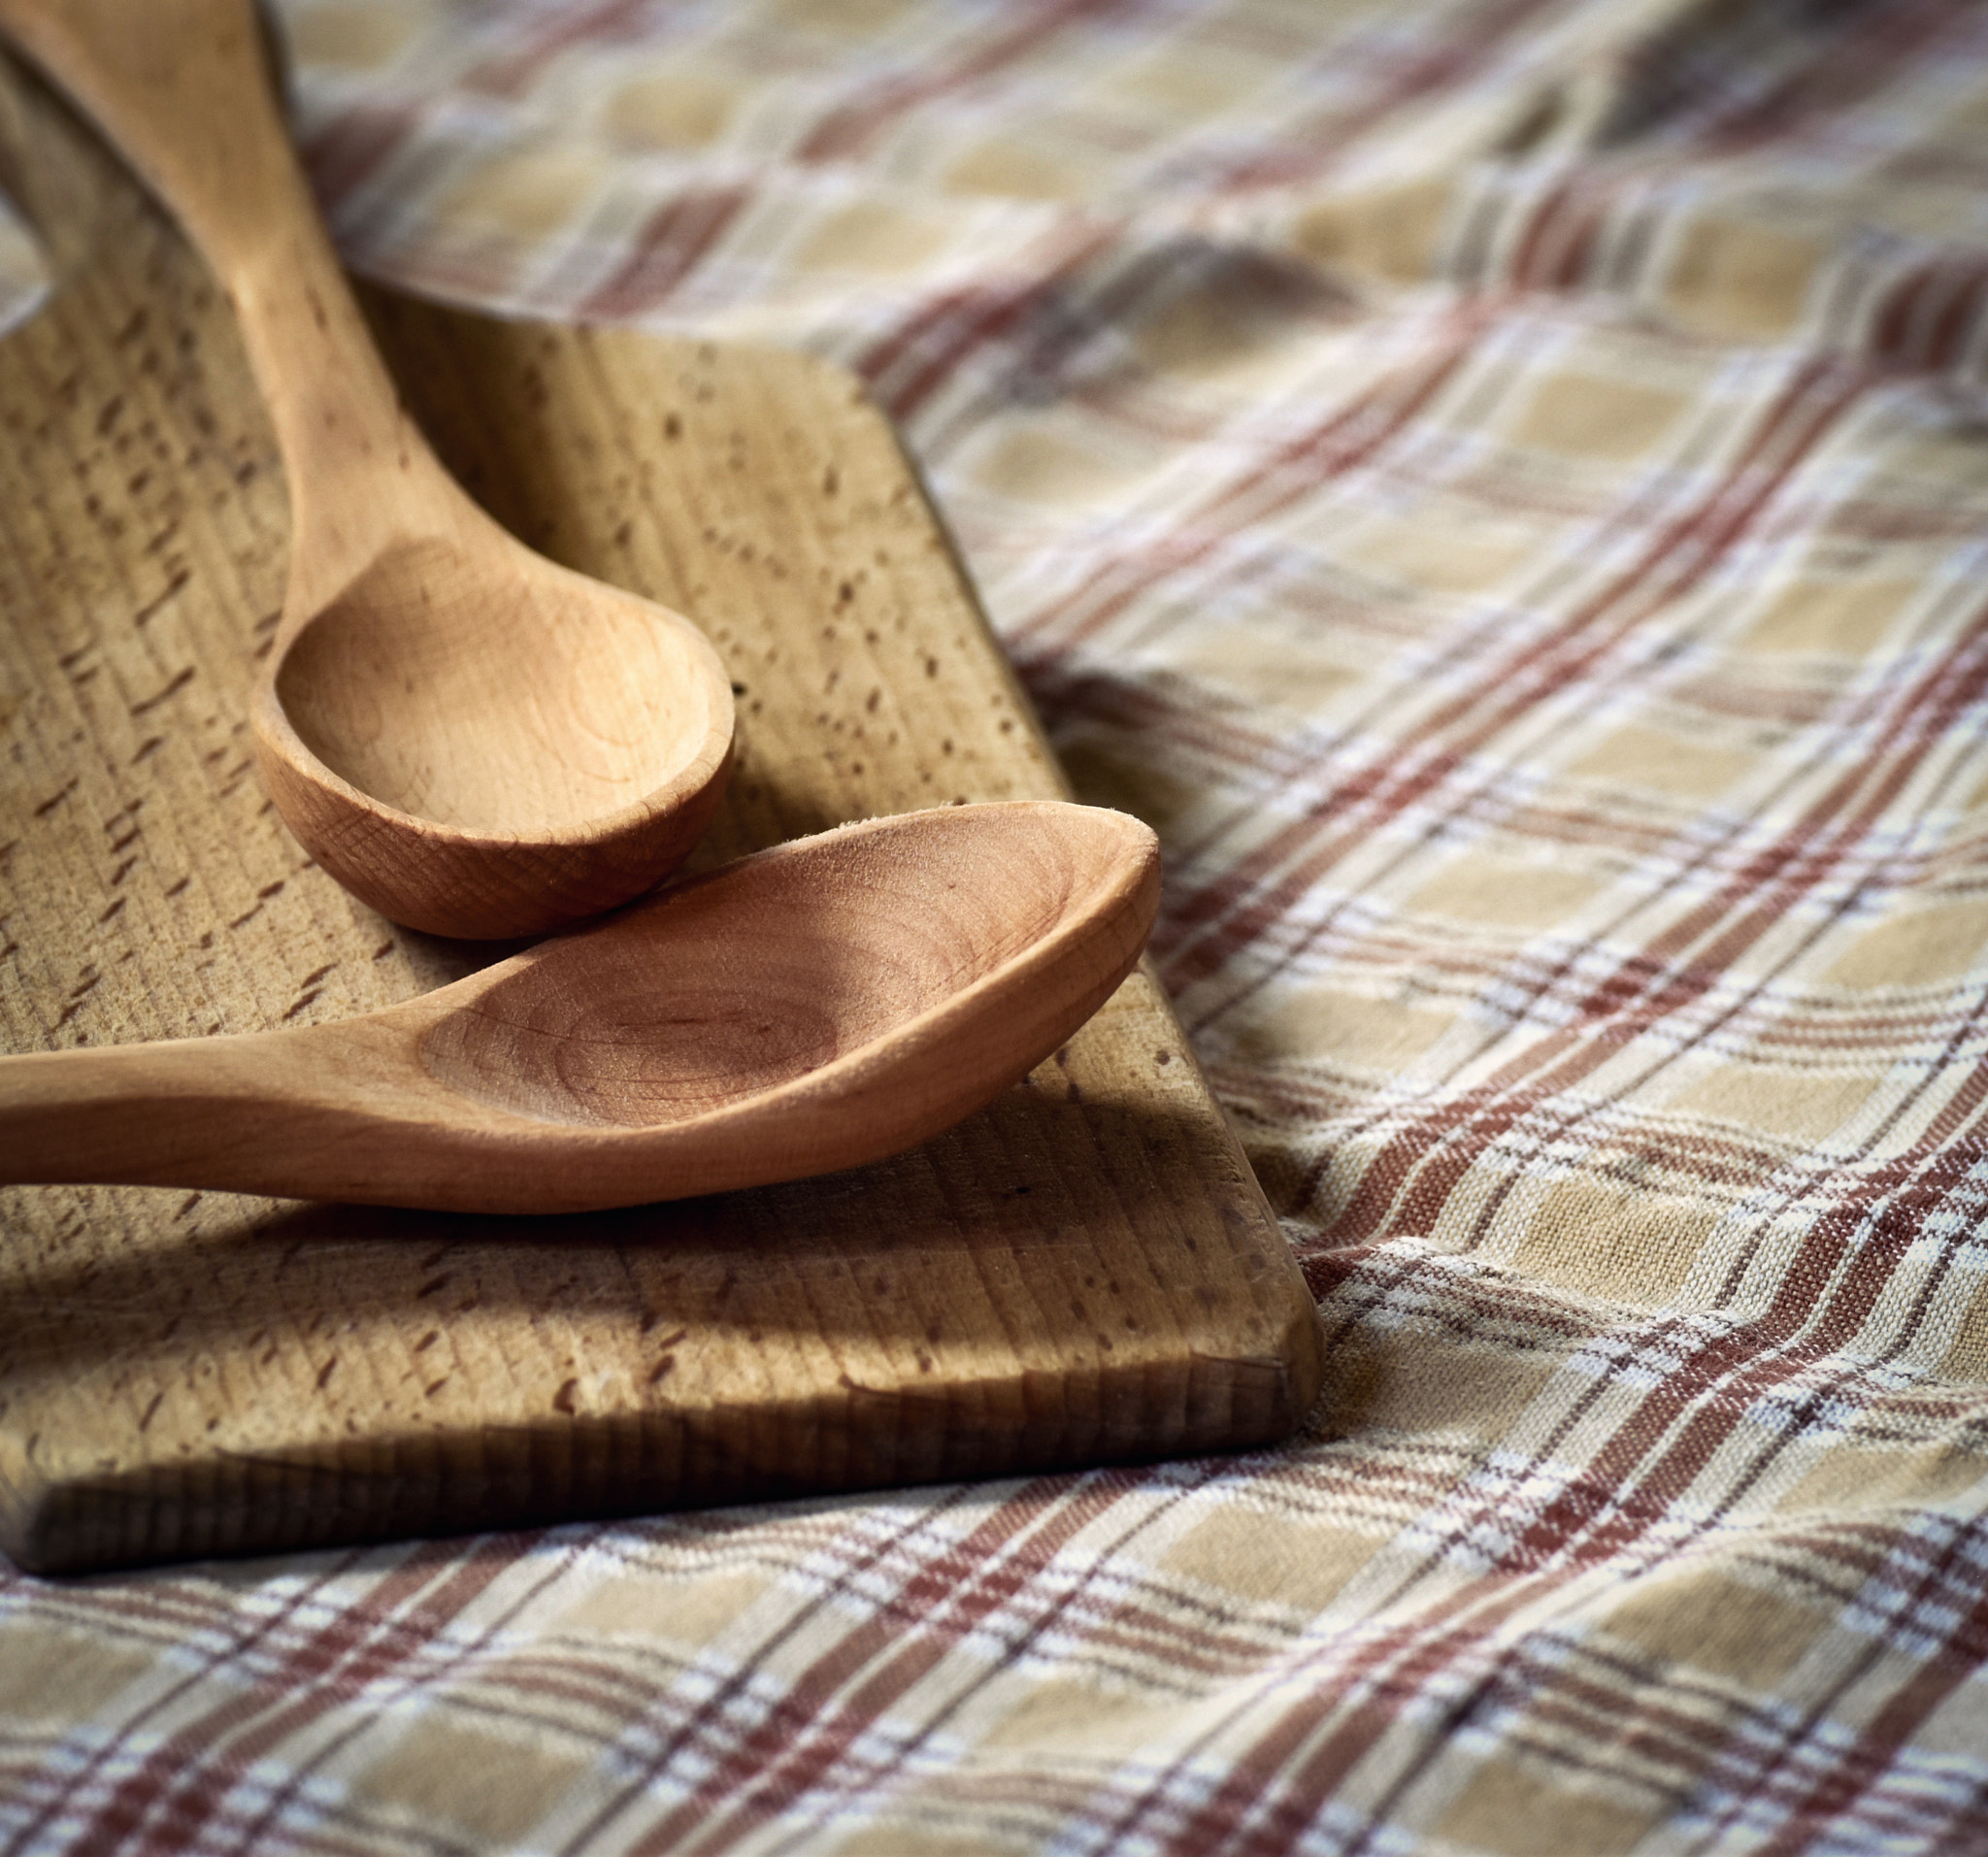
x=1084 y=1272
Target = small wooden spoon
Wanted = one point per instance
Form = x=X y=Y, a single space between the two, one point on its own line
x=823 y=1004
x=473 y=740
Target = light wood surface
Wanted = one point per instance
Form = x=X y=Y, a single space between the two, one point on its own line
x=828 y=1001
x=473 y=740
x=1083 y=1272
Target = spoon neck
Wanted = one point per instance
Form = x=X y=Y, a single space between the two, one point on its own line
x=122 y=1113
x=182 y=87
x=224 y=1112
x=361 y=477
x=358 y=464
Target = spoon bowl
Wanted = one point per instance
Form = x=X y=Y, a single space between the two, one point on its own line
x=474 y=741
x=830 y=1002
x=380 y=742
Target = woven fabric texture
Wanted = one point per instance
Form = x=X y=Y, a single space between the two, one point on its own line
x=1503 y=487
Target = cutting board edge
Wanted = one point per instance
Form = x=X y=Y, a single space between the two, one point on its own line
x=71 y=1525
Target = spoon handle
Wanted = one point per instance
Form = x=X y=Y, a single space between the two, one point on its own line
x=235 y=1113
x=183 y=88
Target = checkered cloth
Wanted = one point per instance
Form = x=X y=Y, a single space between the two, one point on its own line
x=1503 y=485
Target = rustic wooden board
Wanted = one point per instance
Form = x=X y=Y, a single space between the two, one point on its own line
x=1084 y=1272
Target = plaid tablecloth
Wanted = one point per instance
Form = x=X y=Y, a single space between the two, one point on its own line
x=1503 y=485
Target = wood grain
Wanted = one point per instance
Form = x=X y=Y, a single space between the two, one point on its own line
x=1083 y=1272
x=471 y=738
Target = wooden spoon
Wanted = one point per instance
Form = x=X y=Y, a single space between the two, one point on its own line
x=474 y=741
x=829 y=1001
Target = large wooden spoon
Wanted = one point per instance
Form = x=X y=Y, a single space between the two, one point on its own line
x=829 y=1001
x=472 y=739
